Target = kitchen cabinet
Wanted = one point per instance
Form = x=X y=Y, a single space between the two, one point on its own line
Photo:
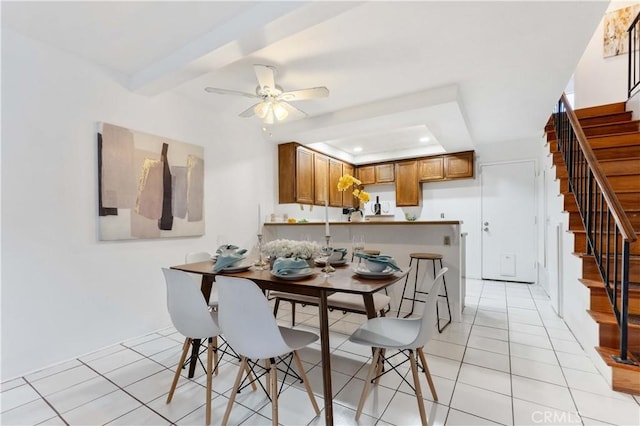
x=309 y=177
x=348 y=199
x=407 y=184
x=295 y=174
x=320 y=179
x=458 y=165
x=367 y=175
x=385 y=173
x=335 y=171
x=377 y=173
x=431 y=169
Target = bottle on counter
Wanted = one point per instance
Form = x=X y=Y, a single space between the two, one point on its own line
x=376 y=207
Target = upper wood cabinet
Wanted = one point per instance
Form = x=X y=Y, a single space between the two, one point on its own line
x=376 y=173
x=407 y=184
x=385 y=173
x=320 y=178
x=458 y=165
x=348 y=200
x=335 y=171
x=431 y=169
x=309 y=177
x=295 y=174
x=367 y=175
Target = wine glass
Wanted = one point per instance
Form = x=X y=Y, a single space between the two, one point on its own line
x=327 y=251
x=358 y=245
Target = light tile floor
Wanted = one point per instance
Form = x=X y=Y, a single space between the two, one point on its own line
x=510 y=361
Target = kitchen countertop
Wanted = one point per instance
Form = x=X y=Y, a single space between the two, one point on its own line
x=371 y=223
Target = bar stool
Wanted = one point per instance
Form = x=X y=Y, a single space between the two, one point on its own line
x=418 y=257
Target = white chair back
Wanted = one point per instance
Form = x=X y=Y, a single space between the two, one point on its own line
x=429 y=321
x=189 y=312
x=197 y=256
x=246 y=319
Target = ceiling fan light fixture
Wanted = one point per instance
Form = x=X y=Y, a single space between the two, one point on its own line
x=262 y=109
x=279 y=111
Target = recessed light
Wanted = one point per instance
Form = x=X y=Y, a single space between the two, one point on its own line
x=357 y=149
x=425 y=139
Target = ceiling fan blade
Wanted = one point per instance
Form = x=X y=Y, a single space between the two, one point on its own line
x=292 y=110
x=249 y=112
x=264 y=73
x=302 y=94
x=230 y=92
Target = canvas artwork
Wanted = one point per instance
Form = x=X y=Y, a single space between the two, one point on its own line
x=149 y=186
x=616 y=24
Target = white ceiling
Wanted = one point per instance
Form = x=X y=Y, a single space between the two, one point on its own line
x=463 y=73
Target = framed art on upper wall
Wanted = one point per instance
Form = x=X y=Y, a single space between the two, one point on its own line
x=615 y=26
x=148 y=186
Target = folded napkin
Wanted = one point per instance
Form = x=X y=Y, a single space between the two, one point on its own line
x=227 y=249
x=338 y=254
x=228 y=260
x=387 y=260
x=289 y=265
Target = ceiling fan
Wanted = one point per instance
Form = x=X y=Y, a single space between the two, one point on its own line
x=274 y=101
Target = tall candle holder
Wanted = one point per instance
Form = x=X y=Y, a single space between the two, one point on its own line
x=328 y=251
x=261 y=263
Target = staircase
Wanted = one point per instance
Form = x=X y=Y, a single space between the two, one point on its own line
x=614 y=139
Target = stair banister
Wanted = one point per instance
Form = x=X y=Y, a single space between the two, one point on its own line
x=593 y=194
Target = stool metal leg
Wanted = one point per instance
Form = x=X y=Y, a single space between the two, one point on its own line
x=404 y=289
x=446 y=296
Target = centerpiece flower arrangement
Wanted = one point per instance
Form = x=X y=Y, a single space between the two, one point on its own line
x=290 y=248
x=347 y=181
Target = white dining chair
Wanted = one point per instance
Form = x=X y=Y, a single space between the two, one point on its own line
x=247 y=321
x=407 y=335
x=193 y=319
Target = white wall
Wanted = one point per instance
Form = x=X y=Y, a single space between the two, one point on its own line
x=599 y=80
x=64 y=293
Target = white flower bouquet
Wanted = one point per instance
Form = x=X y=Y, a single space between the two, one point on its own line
x=291 y=248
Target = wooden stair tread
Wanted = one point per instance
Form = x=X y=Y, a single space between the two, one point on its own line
x=609 y=318
x=601 y=109
x=607 y=354
x=633 y=287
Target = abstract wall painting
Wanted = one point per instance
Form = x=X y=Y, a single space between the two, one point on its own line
x=149 y=186
x=615 y=26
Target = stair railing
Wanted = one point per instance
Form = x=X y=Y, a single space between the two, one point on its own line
x=634 y=56
x=608 y=229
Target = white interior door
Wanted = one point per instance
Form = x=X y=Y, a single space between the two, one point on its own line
x=509 y=221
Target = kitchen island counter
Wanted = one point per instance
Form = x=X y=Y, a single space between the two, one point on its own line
x=397 y=239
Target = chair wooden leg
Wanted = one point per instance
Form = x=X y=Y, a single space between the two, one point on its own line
x=380 y=365
x=267 y=377
x=183 y=357
x=427 y=373
x=209 y=380
x=274 y=393
x=293 y=314
x=365 y=389
x=416 y=384
x=215 y=355
x=307 y=386
x=234 y=391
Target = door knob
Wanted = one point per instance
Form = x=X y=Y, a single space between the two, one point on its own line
x=486 y=229
x=486 y=224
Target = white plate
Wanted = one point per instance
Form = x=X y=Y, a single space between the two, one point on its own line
x=365 y=273
x=235 y=268
x=304 y=273
x=322 y=262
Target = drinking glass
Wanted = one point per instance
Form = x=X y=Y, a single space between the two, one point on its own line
x=357 y=244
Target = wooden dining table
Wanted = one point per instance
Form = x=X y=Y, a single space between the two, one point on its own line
x=342 y=280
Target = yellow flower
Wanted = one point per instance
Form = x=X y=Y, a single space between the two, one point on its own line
x=346 y=181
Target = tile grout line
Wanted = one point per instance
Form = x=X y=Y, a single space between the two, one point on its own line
x=46 y=401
